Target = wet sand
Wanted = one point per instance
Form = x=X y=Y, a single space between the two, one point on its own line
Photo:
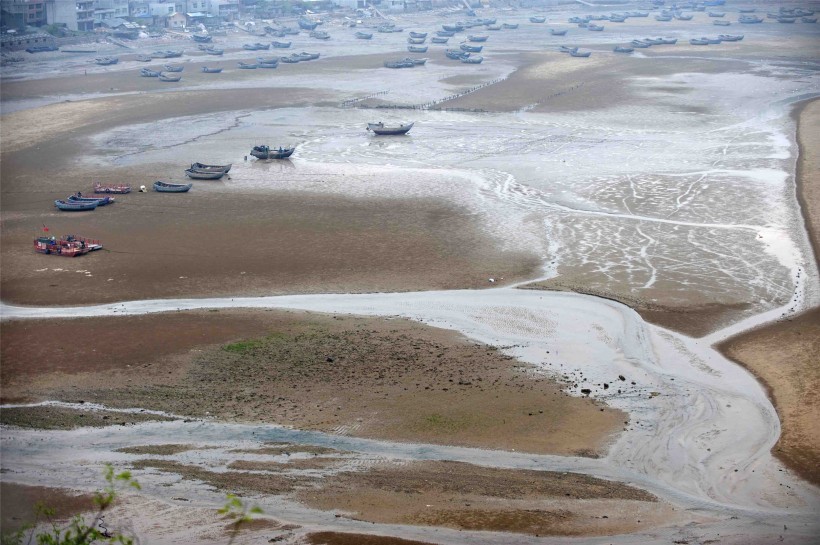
x=387 y=379
x=784 y=356
x=18 y=505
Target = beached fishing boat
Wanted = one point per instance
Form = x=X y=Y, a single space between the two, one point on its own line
x=788 y=20
x=255 y=46
x=439 y=40
x=663 y=18
x=509 y=26
x=148 y=73
x=203 y=175
x=167 y=187
x=381 y=129
x=716 y=14
x=809 y=19
x=730 y=37
x=70 y=206
x=493 y=27
x=639 y=44
x=272 y=64
x=169 y=77
x=471 y=48
x=266 y=152
x=206 y=70
x=417 y=48
x=292 y=59
x=622 y=49
x=580 y=53
x=106 y=61
x=452 y=28
x=101 y=201
x=416 y=41
x=477 y=38
x=749 y=19
x=173 y=68
x=307 y=24
x=112 y=188
x=594 y=27
x=320 y=35
x=455 y=54
x=213 y=51
x=473 y=59
x=399 y=64
x=201 y=38
x=143 y=58
x=281 y=45
x=699 y=41
x=66 y=246
x=566 y=49
x=720 y=22
x=247 y=66
x=418 y=34
x=202 y=167
x=668 y=41
x=538 y=19
x=445 y=33
x=556 y=32
x=305 y=56
x=364 y=35
x=683 y=17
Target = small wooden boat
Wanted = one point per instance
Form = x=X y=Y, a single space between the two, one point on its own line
x=730 y=37
x=719 y=22
x=471 y=48
x=455 y=54
x=204 y=175
x=595 y=28
x=307 y=24
x=808 y=19
x=682 y=17
x=477 y=59
x=215 y=51
x=320 y=35
x=271 y=64
x=555 y=32
x=69 y=206
x=566 y=49
x=148 y=73
x=112 y=188
x=255 y=46
x=438 y=40
x=101 y=201
x=166 y=187
x=418 y=34
x=66 y=246
x=663 y=18
x=381 y=129
x=416 y=62
x=305 y=56
x=266 y=152
x=106 y=61
x=580 y=53
x=416 y=41
x=445 y=33
x=622 y=49
x=290 y=60
x=716 y=14
x=452 y=28
x=699 y=41
x=143 y=58
x=509 y=26
x=539 y=19
x=173 y=68
x=399 y=64
x=201 y=38
x=169 y=77
x=281 y=45
x=417 y=48
x=247 y=66
x=364 y=35
x=211 y=168
x=206 y=70
x=477 y=38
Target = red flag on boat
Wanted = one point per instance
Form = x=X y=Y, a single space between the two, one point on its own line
x=45 y=228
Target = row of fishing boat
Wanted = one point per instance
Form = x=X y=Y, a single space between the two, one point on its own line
x=714 y=41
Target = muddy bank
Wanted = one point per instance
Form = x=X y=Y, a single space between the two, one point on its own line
x=18 y=504
x=378 y=378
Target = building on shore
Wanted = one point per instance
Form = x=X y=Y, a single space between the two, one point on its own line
x=72 y=14
x=22 y=13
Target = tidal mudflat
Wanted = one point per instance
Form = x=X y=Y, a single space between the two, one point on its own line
x=498 y=327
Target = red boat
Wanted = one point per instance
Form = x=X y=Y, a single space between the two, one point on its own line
x=66 y=246
x=111 y=188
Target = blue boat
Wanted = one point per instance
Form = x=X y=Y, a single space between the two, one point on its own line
x=580 y=54
x=445 y=33
x=439 y=40
x=477 y=38
x=247 y=66
x=471 y=48
x=452 y=28
x=455 y=54
x=148 y=73
x=166 y=187
x=282 y=45
x=538 y=19
x=416 y=41
x=472 y=59
x=101 y=201
x=699 y=41
x=173 y=68
x=622 y=49
x=417 y=48
x=749 y=19
x=307 y=24
x=663 y=18
x=595 y=28
x=206 y=70
x=510 y=26
x=809 y=19
x=731 y=37
x=721 y=22
x=361 y=36
x=69 y=206
x=555 y=32
x=418 y=34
